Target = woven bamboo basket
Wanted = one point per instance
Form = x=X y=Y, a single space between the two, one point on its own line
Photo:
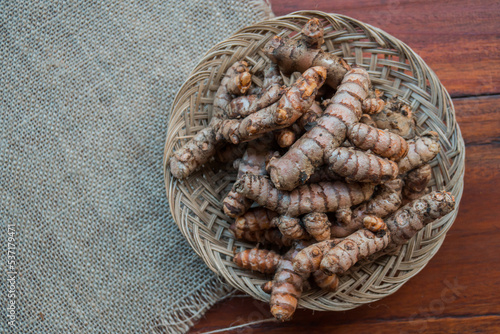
x=196 y=203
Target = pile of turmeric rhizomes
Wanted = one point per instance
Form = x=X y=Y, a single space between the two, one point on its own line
x=324 y=179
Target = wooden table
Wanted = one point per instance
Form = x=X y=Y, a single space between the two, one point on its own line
x=459 y=290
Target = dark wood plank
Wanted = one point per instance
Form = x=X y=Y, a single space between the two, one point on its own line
x=468 y=259
x=458 y=39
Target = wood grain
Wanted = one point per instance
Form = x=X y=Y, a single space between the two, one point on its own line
x=461 y=43
x=457 y=39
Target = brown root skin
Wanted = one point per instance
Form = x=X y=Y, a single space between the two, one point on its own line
x=236 y=81
x=311 y=150
x=353 y=248
x=317 y=225
x=309 y=259
x=255 y=219
x=267 y=287
x=287 y=286
x=421 y=150
x=313 y=34
x=323 y=174
x=416 y=183
x=326 y=282
x=308 y=120
x=295 y=56
x=261 y=260
x=417 y=180
x=230 y=152
x=381 y=142
x=254 y=162
x=414 y=216
x=295 y=102
x=366 y=119
x=286 y=137
x=204 y=144
x=320 y=197
x=266 y=237
x=290 y=227
x=359 y=166
x=272 y=90
x=373 y=104
x=194 y=153
x=385 y=202
x=396 y=117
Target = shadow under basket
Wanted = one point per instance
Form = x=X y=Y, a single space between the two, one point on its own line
x=196 y=202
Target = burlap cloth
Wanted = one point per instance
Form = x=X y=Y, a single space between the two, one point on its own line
x=85 y=94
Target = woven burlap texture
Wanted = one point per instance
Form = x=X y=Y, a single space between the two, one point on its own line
x=85 y=94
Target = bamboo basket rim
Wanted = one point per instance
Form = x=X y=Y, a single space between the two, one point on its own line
x=394 y=68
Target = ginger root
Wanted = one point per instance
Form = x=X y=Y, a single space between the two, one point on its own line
x=261 y=260
x=320 y=197
x=311 y=150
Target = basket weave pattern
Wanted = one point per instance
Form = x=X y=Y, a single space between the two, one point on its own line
x=196 y=202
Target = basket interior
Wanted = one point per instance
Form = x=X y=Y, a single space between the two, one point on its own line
x=196 y=202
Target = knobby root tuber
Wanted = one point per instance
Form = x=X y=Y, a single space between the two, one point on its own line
x=416 y=182
x=382 y=142
x=203 y=145
x=255 y=219
x=295 y=102
x=420 y=151
x=319 y=197
x=373 y=103
x=260 y=260
x=290 y=227
x=272 y=90
x=295 y=56
x=254 y=161
x=360 y=166
x=385 y=202
x=414 y=216
x=396 y=117
x=268 y=237
x=287 y=286
x=317 y=225
x=310 y=151
x=309 y=259
x=326 y=282
x=356 y=246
